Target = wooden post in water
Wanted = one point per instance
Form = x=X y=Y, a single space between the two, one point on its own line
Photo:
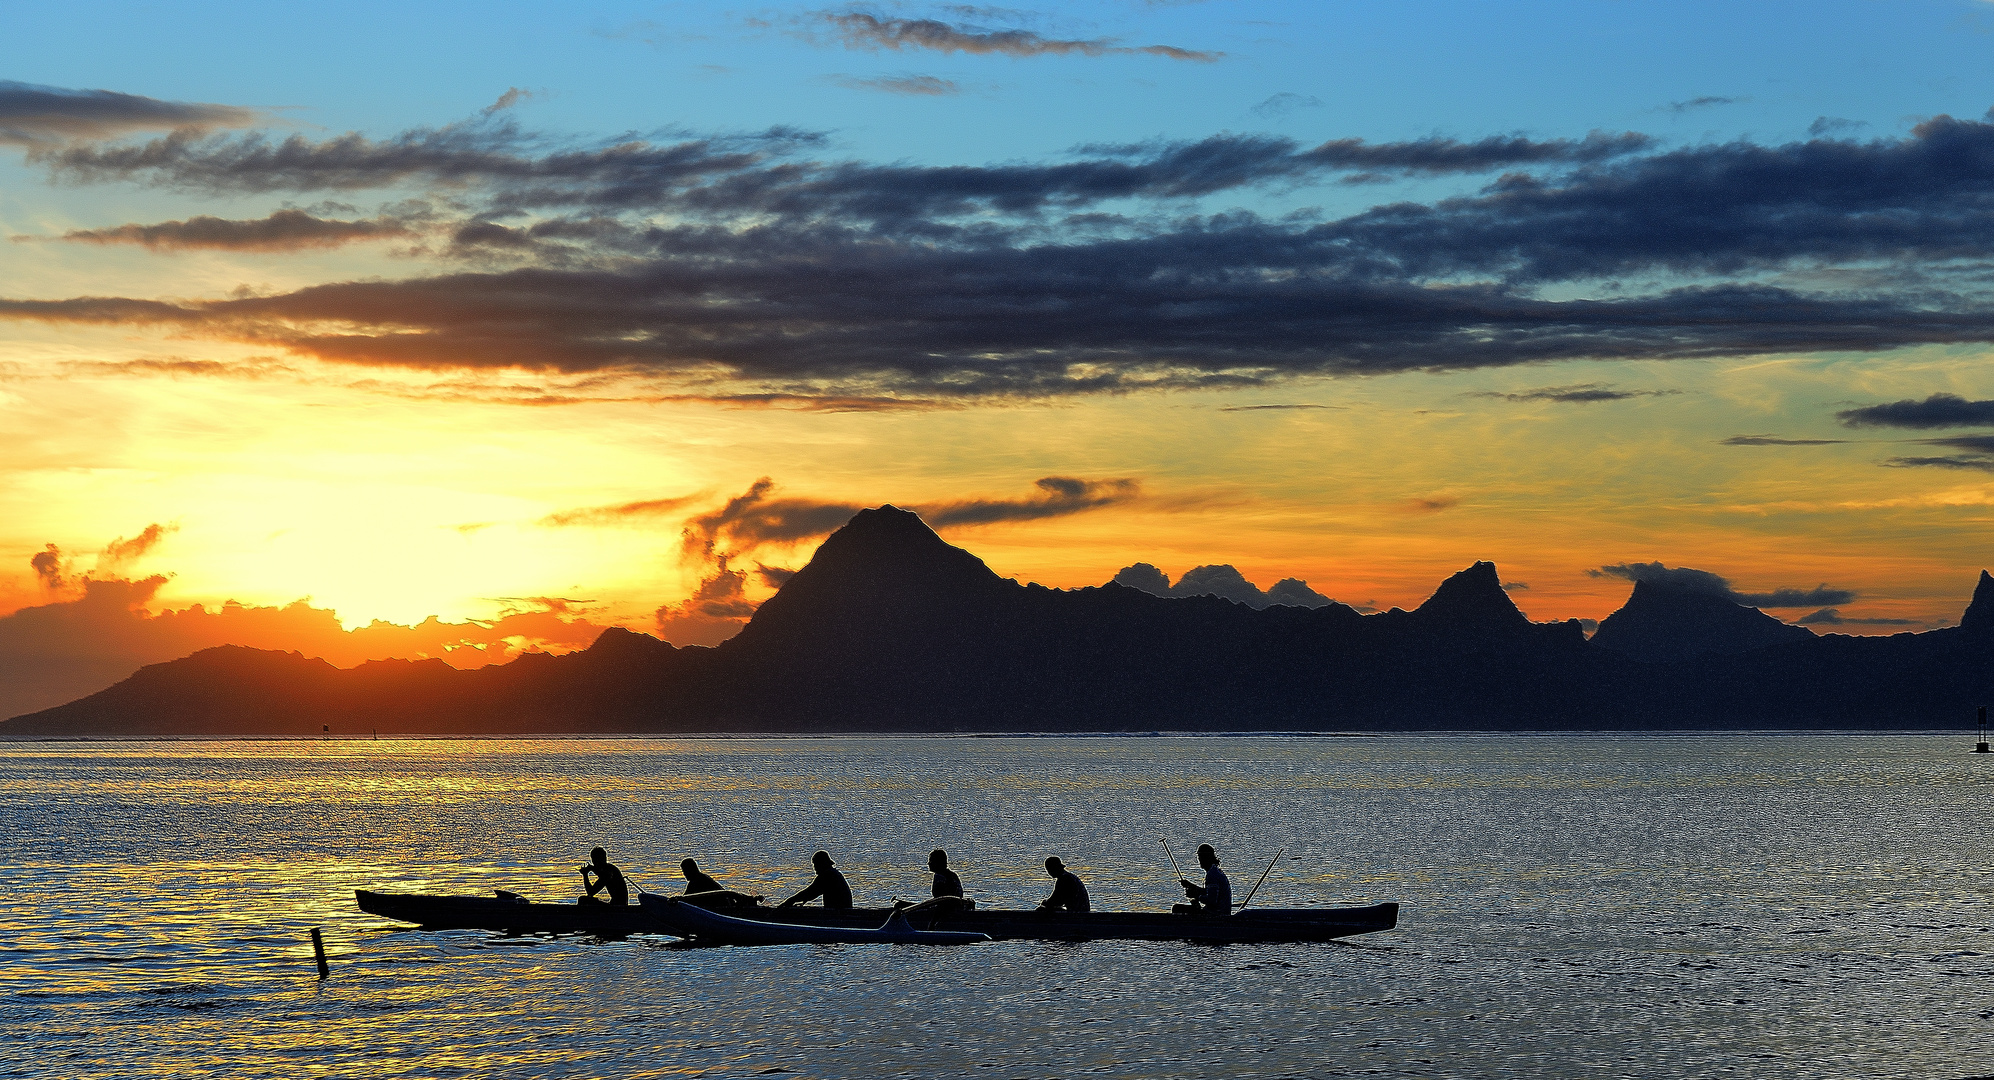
x=318 y=950
x=1981 y=746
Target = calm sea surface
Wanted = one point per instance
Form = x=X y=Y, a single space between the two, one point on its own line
x=1574 y=906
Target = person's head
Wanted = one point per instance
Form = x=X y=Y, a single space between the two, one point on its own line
x=688 y=868
x=1206 y=856
x=938 y=860
x=598 y=856
x=1053 y=867
x=821 y=860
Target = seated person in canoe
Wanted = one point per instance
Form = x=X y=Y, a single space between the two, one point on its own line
x=946 y=882
x=601 y=874
x=696 y=880
x=830 y=885
x=1070 y=894
x=1214 y=897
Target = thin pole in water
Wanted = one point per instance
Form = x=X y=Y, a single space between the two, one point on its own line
x=1981 y=746
x=318 y=951
x=1263 y=877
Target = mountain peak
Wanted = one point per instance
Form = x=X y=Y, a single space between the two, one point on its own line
x=1473 y=599
x=1979 y=617
x=883 y=564
x=1664 y=623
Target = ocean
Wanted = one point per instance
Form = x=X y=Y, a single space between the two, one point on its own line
x=1572 y=906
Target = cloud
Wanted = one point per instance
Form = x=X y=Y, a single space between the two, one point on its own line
x=49 y=568
x=716 y=611
x=1705 y=102
x=513 y=95
x=1145 y=577
x=1581 y=393
x=1223 y=581
x=774 y=577
x=1833 y=617
x=1283 y=103
x=619 y=513
x=1773 y=440
x=1938 y=411
x=904 y=85
x=39 y=116
x=284 y=230
x=1431 y=504
x=1829 y=125
x=122 y=552
x=1058 y=496
x=1515 y=585
x=863 y=30
x=1259 y=408
x=1980 y=464
x=739 y=265
x=1703 y=581
x=60 y=651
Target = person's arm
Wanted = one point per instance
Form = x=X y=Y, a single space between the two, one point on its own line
x=815 y=890
x=594 y=884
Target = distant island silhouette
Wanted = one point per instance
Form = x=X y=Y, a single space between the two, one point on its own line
x=891 y=629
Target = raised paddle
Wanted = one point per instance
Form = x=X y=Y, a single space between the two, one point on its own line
x=1263 y=877
x=1173 y=859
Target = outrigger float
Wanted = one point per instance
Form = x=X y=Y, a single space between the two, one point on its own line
x=725 y=919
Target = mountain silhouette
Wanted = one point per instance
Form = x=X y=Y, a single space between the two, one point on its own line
x=1663 y=623
x=890 y=628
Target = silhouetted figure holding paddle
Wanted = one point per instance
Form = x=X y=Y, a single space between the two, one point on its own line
x=830 y=885
x=946 y=883
x=606 y=876
x=696 y=880
x=1070 y=894
x=1214 y=897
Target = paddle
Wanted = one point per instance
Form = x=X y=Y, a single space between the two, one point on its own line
x=1263 y=877
x=1173 y=860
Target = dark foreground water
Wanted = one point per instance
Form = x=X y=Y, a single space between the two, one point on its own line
x=1574 y=906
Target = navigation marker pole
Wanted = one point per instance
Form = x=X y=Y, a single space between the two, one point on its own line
x=318 y=951
x=1981 y=746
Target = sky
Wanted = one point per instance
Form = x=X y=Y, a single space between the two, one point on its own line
x=454 y=330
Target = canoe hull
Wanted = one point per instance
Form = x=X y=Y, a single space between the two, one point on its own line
x=1264 y=925
x=511 y=916
x=712 y=927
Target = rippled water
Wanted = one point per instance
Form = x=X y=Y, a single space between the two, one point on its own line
x=1573 y=906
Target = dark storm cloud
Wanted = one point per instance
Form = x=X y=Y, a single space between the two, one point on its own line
x=744 y=266
x=904 y=85
x=36 y=116
x=1057 y=496
x=1581 y=394
x=856 y=29
x=1774 y=440
x=1938 y=411
x=1703 y=581
x=284 y=230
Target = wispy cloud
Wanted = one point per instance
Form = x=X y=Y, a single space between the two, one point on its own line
x=1582 y=393
x=1940 y=410
x=855 y=29
x=38 y=117
x=1774 y=440
x=903 y=85
x=284 y=230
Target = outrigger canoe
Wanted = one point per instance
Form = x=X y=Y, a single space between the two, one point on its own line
x=654 y=916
